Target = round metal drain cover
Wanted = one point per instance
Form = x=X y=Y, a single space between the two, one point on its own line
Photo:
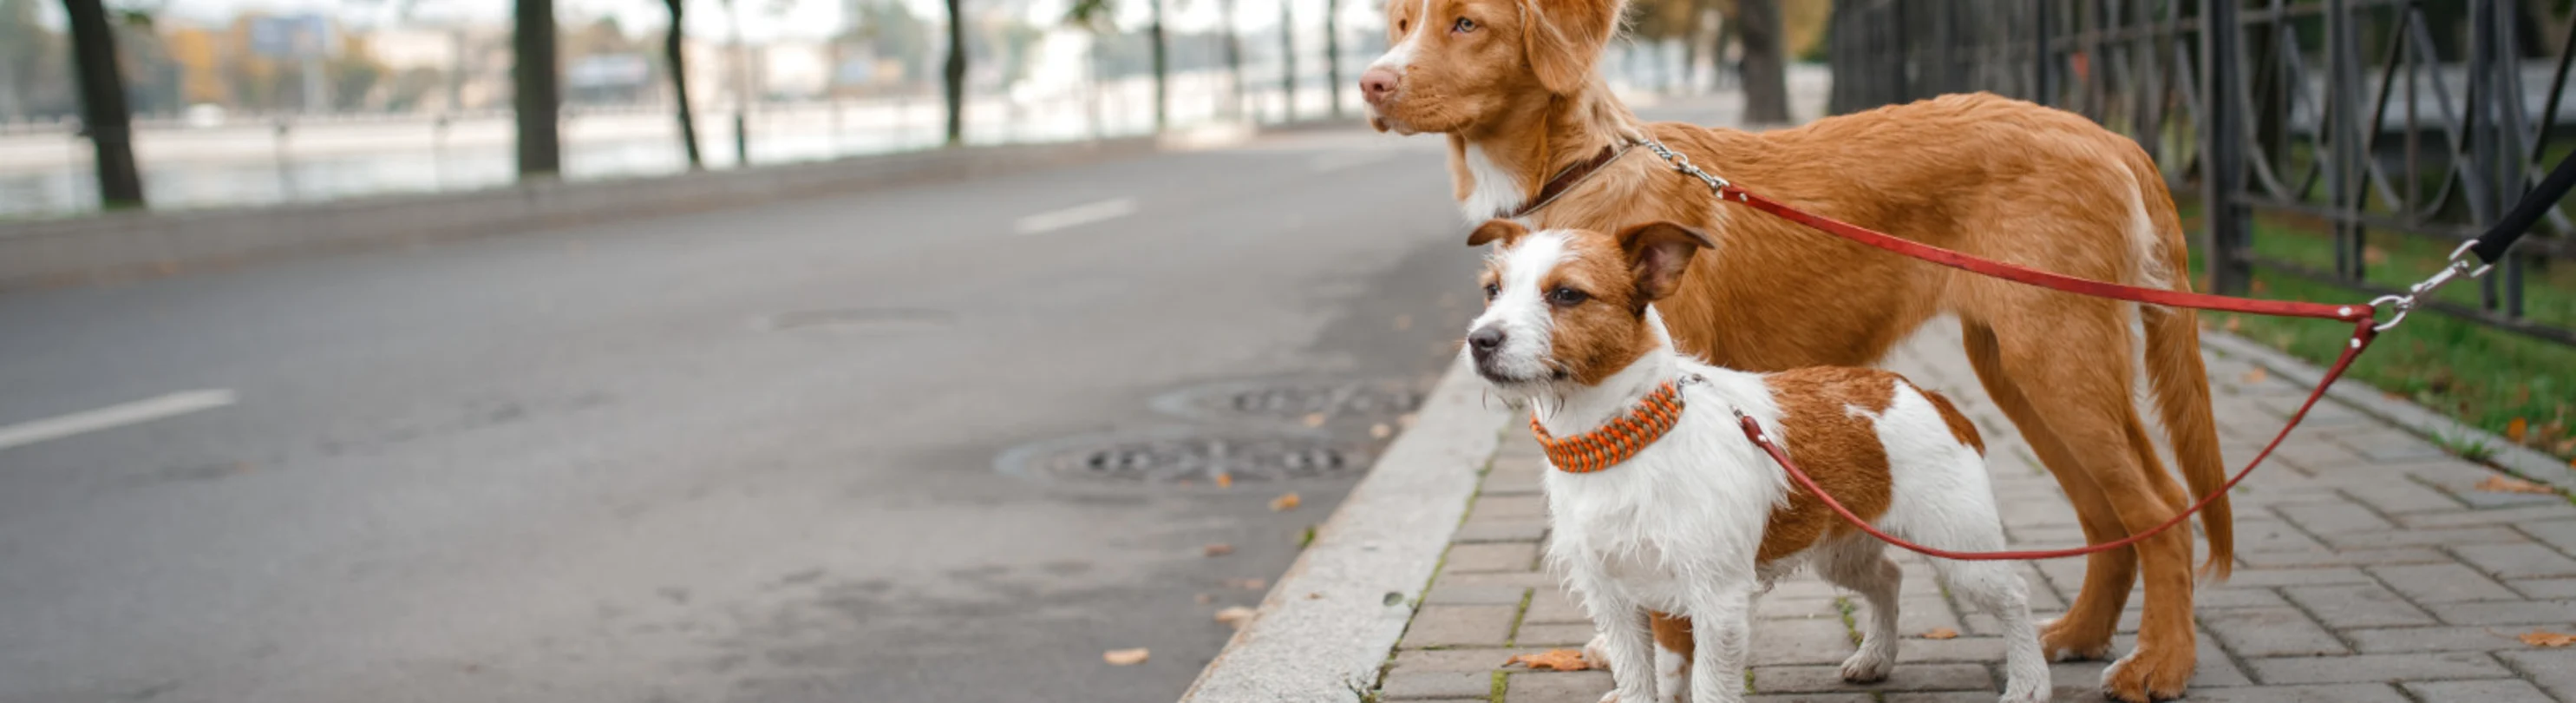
x=1295 y=400
x=1189 y=458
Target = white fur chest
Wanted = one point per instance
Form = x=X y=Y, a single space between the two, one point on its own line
x=1686 y=512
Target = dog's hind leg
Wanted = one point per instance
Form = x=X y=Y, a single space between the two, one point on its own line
x=1861 y=566
x=2084 y=632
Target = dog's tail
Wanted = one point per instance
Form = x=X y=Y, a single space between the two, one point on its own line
x=2178 y=382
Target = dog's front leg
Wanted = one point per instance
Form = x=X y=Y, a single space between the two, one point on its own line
x=1627 y=643
x=1721 y=625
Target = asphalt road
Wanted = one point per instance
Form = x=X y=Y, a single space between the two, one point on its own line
x=743 y=455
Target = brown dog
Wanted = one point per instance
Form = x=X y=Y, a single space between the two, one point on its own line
x=1536 y=136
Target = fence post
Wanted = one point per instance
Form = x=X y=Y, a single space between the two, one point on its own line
x=2223 y=149
x=2043 y=70
x=2344 y=101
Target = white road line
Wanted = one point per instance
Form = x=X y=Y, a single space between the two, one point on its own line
x=1075 y=216
x=113 y=416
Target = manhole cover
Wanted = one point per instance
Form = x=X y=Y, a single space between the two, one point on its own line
x=1186 y=457
x=1295 y=400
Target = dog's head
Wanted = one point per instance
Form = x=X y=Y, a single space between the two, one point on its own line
x=1570 y=306
x=1454 y=64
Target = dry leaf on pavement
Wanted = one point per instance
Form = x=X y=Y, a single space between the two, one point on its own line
x=1235 y=616
x=1314 y=419
x=1941 y=633
x=1125 y=657
x=2517 y=429
x=2545 y=638
x=2255 y=375
x=1218 y=549
x=1285 y=502
x=2500 y=484
x=1225 y=480
x=1556 y=659
x=1247 y=584
x=1380 y=431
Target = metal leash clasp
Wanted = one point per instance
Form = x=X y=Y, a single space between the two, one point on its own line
x=2460 y=267
x=1683 y=164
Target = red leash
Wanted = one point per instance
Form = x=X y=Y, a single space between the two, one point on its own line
x=2361 y=315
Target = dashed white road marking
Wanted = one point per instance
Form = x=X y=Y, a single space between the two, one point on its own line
x=1075 y=216
x=113 y=416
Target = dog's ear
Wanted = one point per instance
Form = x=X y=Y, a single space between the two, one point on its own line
x=1497 y=230
x=1563 y=37
x=1658 y=252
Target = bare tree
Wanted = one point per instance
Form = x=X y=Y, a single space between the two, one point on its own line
x=955 y=74
x=1765 y=64
x=104 y=115
x=680 y=86
x=536 y=88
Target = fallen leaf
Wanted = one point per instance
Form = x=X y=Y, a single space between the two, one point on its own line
x=1285 y=502
x=1314 y=596
x=1314 y=419
x=1380 y=431
x=1225 y=480
x=1125 y=657
x=2517 y=429
x=2257 y=287
x=2545 y=638
x=1941 y=633
x=2234 y=323
x=2256 y=375
x=1404 y=420
x=1204 y=599
x=1403 y=322
x=1556 y=659
x=1247 y=584
x=1235 y=616
x=2500 y=484
x=1218 y=549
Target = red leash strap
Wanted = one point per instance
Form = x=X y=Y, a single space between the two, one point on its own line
x=2036 y=277
x=2361 y=337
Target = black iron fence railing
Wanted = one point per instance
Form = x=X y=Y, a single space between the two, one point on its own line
x=2371 y=122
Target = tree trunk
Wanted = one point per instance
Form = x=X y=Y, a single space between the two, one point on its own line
x=1766 y=80
x=536 y=84
x=680 y=87
x=104 y=115
x=1287 y=63
x=955 y=74
x=1333 y=55
x=1162 y=70
x=1233 y=61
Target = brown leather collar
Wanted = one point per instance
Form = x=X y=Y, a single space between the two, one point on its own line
x=1566 y=180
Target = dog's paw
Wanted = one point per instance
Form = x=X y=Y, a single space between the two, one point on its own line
x=2147 y=675
x=1597 y=651
x=1611 y=697
x=2065 y=641
x=1869 y=665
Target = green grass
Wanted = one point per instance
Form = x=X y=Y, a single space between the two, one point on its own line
x=2483 y=377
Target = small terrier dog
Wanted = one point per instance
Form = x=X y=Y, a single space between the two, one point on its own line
x=1660 y=504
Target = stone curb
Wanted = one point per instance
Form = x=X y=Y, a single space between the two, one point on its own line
x=2371 y=401
x=131 y=245
x=1323 y=631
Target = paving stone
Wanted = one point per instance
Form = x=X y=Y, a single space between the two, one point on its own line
x=2553 y=669
x=2377 y=667
x=2262 y=632
x=1553 y=635
x=2224 y=597
x=1916 y=615
x=1822 y=697
x=1508 y=507
x=2502 y=612
x=1524 y=579
x=1917 y=677
x=1419 y=685
x=2394 y=497
x=1445 y=594
x=2390 y=446
x=2258 y=577
x=1787 y=642
x=2556 y=533
x=2213 y=668
x=2271 y=536
x=2481 y=691
x=2485 y=638
x=1469 y=625
x=2505 y=516
x=2544 y=588
x=2357 y=606
x=2442 y=583
x=2346 y=693
x=2348 y=557
x=1940 y=697
x=1551 y=606
x=2328 y=518
x=2517 y=561
x=1506 y=556
x=1556 y=687
x=2489 y=500
x=1531 y=531
x=1975 y=650
x=2425 y=538
x=1479 y=659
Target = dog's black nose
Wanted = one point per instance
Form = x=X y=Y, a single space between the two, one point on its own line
x=1485 y=340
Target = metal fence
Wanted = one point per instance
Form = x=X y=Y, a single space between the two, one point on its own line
x=2368 y=120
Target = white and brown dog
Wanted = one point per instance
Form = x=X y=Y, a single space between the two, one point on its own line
x=1659 y=502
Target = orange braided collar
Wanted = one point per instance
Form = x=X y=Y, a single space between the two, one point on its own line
x=1617 y=441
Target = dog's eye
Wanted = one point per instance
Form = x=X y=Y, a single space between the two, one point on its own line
x=1567 y=297
x=1492 y=290
x=1463 y=26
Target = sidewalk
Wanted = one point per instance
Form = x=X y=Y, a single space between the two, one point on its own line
x=2368 y=569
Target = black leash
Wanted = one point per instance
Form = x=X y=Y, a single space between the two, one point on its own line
x=2491 y=246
